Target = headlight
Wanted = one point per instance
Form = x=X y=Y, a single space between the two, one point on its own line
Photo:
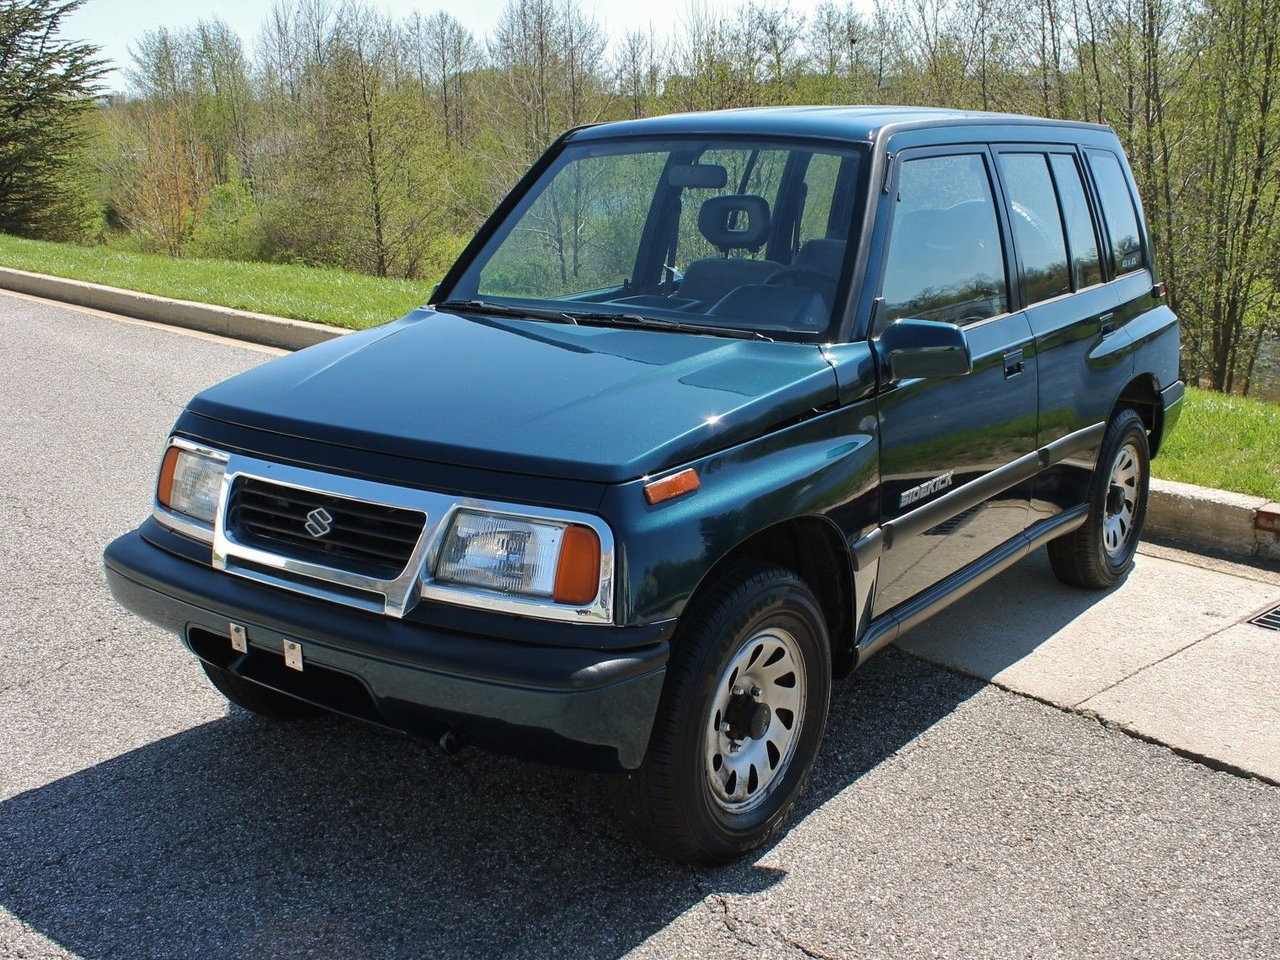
x=190 y=483
x=523 y=556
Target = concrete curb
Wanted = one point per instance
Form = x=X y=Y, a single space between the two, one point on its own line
x=238 y=324
x=1219 y=520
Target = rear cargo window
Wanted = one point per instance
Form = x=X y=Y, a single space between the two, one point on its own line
x=1117 y=210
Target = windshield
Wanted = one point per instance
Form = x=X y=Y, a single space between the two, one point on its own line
x=707 y=234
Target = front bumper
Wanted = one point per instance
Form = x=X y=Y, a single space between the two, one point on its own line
x=568 y=705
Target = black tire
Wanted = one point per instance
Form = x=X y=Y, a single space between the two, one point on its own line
x=1100 y=553
x=679 y=802
x=257 y=698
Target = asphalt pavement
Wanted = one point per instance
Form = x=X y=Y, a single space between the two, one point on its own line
x=140 y=817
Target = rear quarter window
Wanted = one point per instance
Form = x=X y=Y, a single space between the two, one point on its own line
x=1118 y=210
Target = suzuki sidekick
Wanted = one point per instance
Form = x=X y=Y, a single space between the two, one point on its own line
x=712 y=408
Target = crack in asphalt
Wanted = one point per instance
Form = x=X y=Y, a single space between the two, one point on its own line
x=730 y=922
x=807 y=951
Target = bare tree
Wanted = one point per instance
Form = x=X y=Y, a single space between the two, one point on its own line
x=444 y=53
x=639 y=65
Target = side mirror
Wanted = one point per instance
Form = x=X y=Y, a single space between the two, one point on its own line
x=924 y=348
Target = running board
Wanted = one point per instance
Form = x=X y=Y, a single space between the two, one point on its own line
x=887 y=628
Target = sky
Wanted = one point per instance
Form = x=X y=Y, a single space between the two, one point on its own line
x=116 y=24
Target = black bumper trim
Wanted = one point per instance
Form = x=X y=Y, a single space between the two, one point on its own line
x=574 y=706
x=1172 y=397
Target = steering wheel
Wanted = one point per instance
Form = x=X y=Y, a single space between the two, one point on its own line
x=816 y=280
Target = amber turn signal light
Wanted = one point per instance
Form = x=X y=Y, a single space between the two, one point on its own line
x=578 y=570
x=686 y=481
x=167 y=467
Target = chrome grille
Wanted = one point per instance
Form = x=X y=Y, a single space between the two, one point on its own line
x=369 y=539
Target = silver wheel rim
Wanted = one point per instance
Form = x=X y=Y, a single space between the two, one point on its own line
x=742 y=770
x=1121 y=504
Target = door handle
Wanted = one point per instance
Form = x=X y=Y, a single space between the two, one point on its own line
x=1014 y=363
x=1107 y=324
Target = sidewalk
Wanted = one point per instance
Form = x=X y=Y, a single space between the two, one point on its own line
x=1168 y=656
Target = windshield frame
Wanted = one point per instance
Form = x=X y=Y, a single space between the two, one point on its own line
x=462 y=281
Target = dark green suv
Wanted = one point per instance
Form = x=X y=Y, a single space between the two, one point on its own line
x=712 y=408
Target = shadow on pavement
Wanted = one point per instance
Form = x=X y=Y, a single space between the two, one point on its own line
x=1008 y=619
x=243 y=838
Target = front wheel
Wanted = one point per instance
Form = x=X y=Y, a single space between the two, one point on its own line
x=740 y=721
x=1100 y=553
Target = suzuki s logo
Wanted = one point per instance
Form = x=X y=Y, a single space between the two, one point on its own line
x=319 y=522
x=926 y=489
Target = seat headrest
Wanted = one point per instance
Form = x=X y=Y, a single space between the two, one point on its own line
x=737 y=221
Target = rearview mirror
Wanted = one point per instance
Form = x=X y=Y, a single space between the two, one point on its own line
x=709 y=176
x=924 y=348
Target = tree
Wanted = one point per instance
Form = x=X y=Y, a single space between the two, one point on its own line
x=548 y=74
x=639 y=67
x=443 y=53
x=46 y=85
x=161 y=179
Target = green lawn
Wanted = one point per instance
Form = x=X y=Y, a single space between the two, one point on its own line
x=334 y=297
x=1232 y=443
x=1228 y=442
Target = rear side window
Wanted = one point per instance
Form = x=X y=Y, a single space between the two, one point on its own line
x=1118 y=210
x=945 y=260
x=1086 y=266
x=1037 y=225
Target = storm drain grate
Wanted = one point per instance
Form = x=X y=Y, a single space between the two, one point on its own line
x=1270 y=619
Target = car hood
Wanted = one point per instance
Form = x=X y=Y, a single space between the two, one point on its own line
x=538 y=398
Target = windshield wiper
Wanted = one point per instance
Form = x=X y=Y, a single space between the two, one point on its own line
x=503 y=310
x=638 y=322
x=630 y=320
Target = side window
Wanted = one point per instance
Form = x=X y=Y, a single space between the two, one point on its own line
x=1037 y=225
x=1086 y=266
x=1117 y=210
x=945 y=259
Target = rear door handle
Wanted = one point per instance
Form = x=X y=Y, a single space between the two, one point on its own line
x=1107 y=324
x=1014 y=363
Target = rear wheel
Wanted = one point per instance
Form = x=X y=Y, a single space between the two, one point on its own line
x=740 y=722
x=257 y=698
x=1100 y=553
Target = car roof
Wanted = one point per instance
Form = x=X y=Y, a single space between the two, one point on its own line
x=848 y=123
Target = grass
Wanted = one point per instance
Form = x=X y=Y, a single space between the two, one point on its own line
x=333 y=297
x=1232 y=443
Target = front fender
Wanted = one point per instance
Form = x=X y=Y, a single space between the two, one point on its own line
x=825 y=467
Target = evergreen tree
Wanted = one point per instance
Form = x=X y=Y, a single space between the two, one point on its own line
x=46 y=84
